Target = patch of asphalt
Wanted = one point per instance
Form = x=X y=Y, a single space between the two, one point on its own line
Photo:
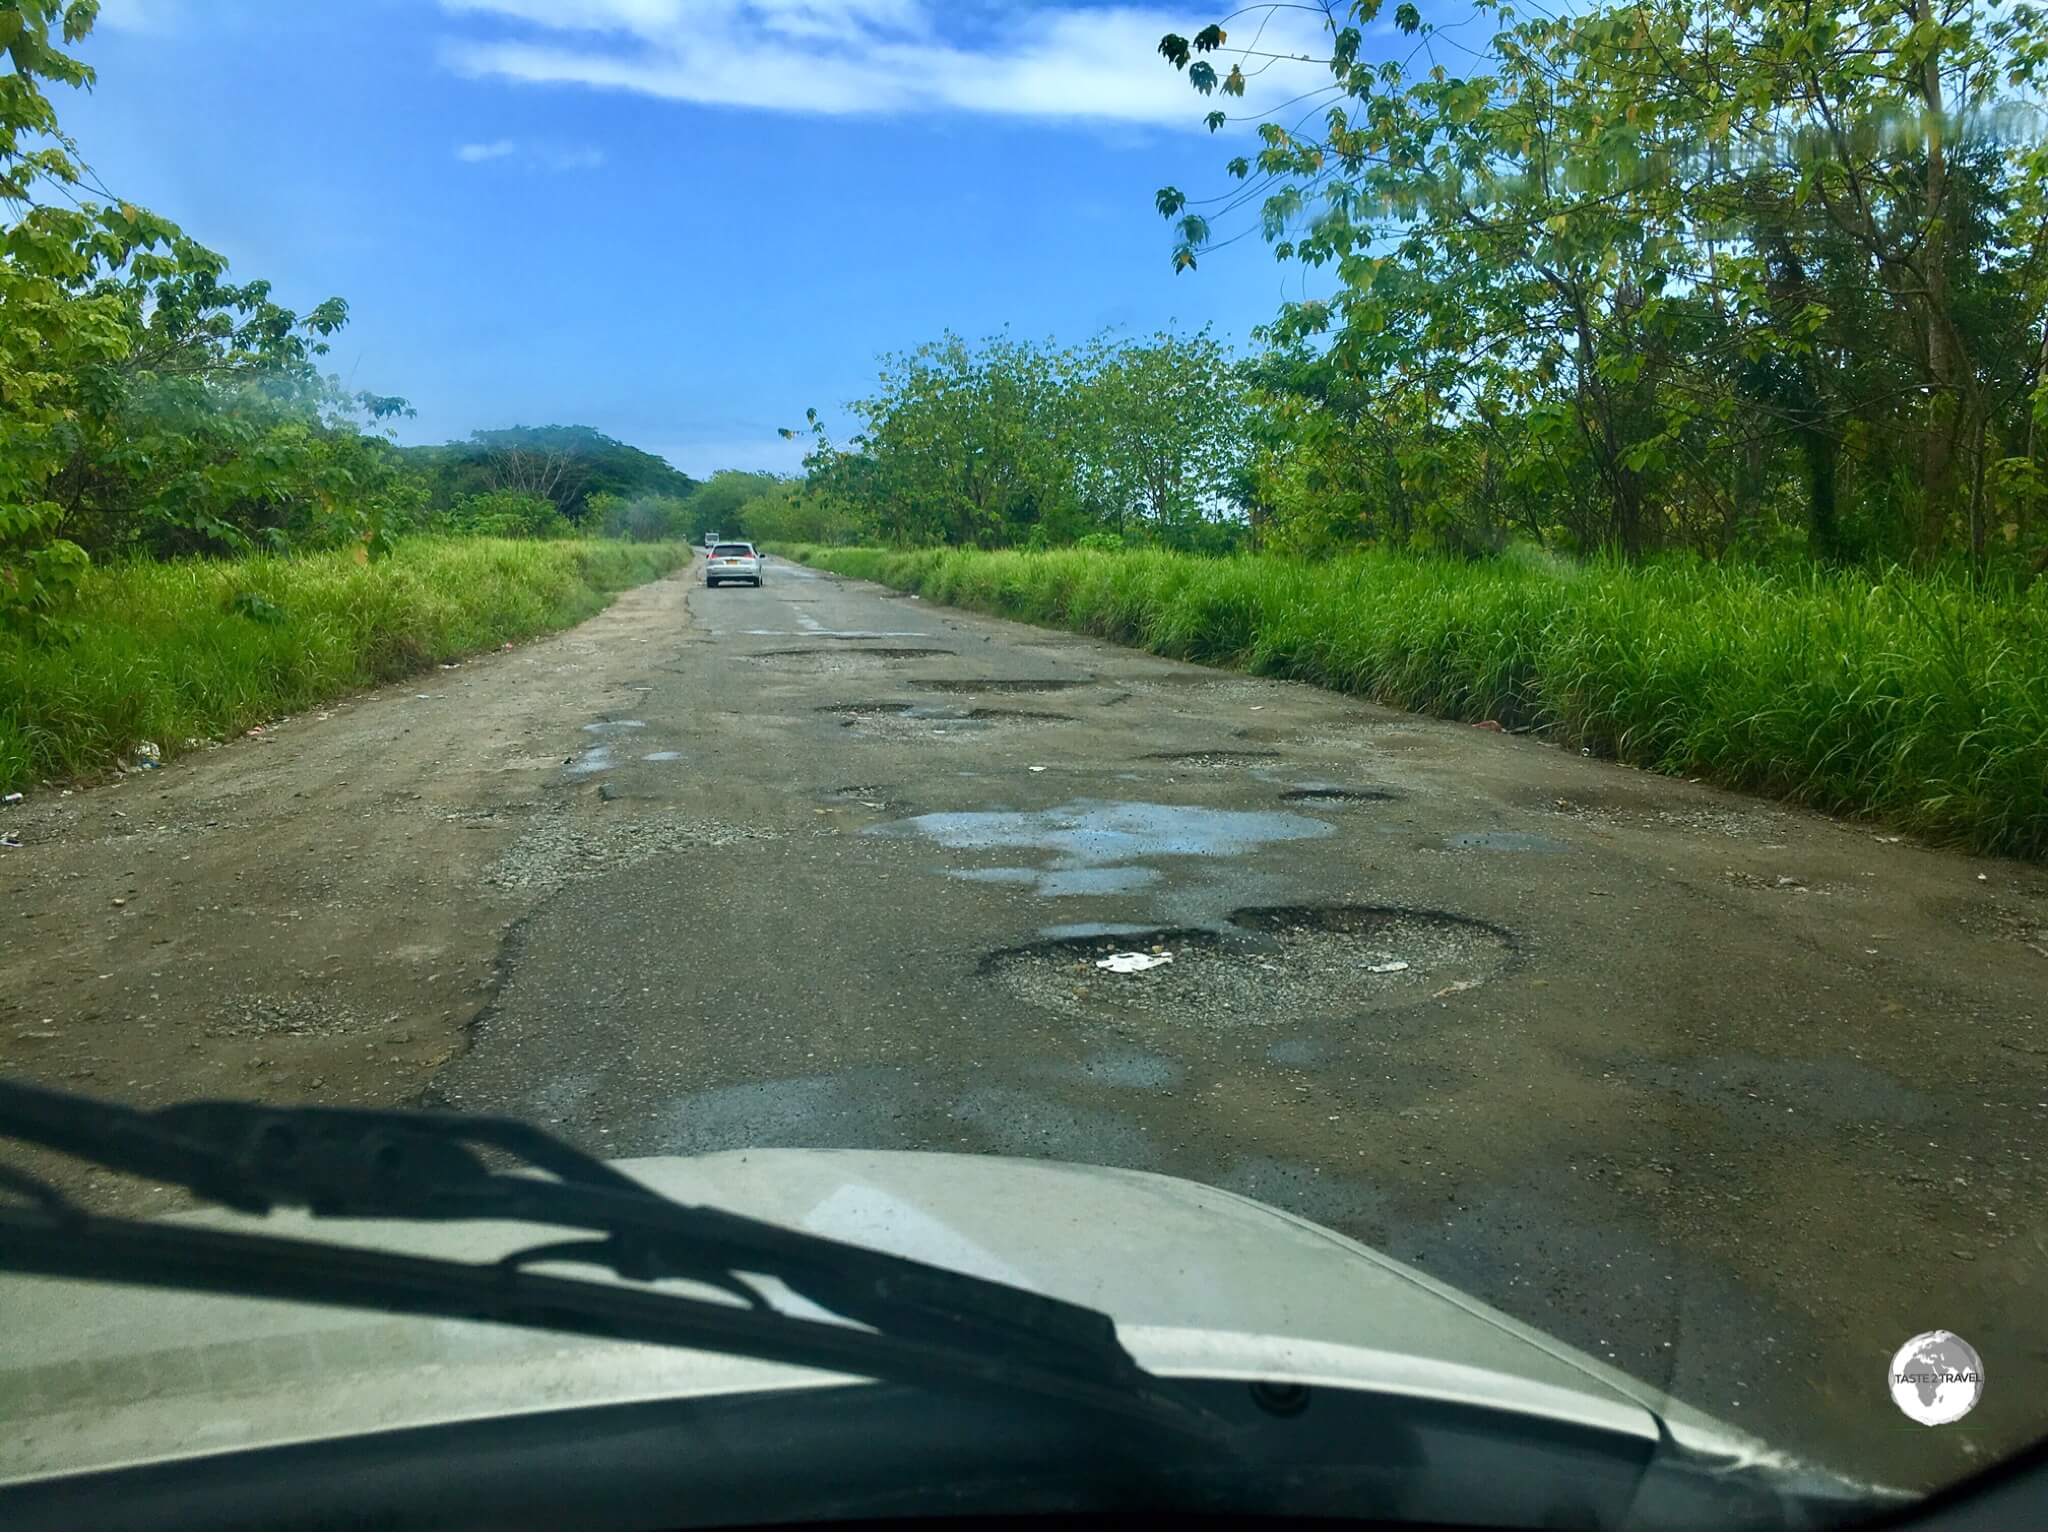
x=564 y=846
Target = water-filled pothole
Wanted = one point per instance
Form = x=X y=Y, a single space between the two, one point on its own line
x=1220 y=758
x=971 y=688
x=824 y=660
x=932 y=720
x=1272 y=966
x=1337 y=798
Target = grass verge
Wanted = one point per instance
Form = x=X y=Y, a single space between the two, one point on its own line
x=202 y=648
x=1910 y=698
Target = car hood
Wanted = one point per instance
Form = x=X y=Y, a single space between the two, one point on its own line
x=1200 y=1282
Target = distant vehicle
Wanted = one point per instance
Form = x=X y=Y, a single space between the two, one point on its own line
x=710 y=541
x=732 y=561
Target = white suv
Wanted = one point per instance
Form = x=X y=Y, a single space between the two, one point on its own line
x=732 y=561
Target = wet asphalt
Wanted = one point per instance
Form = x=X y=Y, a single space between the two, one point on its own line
x=1733 y=1096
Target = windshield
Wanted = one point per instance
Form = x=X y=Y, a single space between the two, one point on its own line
x=1434 y=619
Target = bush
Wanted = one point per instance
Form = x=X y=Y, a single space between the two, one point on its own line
x=508 y=514
x=193 y=648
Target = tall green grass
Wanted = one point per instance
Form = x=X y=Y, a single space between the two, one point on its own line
x=200 y=648
x=1913 y=698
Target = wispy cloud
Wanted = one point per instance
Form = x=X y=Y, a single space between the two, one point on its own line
x=139 y=15
x=547 y=156
x=868 y=56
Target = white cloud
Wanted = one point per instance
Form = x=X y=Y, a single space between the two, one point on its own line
x=138 y=15
x=549 y=156
x=872 y=56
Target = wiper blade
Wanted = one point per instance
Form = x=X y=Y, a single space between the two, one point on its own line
x=928 y=1323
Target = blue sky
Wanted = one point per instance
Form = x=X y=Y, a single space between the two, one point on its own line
x=679 y=221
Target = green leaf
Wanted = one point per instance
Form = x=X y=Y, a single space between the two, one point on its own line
x=1406 y=17
x=1209 y=39
x=1174 y=49
x=1215 y=120
x=1169 y=201
x=1202 y=77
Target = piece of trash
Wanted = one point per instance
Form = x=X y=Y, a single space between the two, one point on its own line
x=11 y=839
x=1028 y=769
x=1787 y=881
x=1983 y=878
x=253 y=731
x=119 y=903
x=1455 y=987
x=447 y=667
x=1492 y=724
x=12 y=798
x=506 y=645
x=148 y=755
x=1889 y=840
x=419 y=697
x=1391 y=966
x=1255 y=707
x=1133 y=963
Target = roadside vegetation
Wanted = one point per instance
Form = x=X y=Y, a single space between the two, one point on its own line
x=1670 y=379
x=173 y=655
x=1922 y=700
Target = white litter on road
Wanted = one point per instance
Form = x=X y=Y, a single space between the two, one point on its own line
x=1391 y=966
x=1133 y=963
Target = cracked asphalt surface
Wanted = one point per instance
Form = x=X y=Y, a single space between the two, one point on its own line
x=1734 y=1096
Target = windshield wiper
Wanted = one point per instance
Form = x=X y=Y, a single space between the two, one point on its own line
x=927 y=1325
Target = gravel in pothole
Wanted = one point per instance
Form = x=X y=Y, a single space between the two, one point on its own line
x=568 y=846
x=1220 y=758
x=1276 y=967
x=293 y=1016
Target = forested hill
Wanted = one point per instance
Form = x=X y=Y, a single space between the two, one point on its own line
x=564 y=464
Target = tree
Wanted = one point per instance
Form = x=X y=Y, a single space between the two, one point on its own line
x=1722 y=261
x=1166 y=423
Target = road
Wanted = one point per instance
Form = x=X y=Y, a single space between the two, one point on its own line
x=1736 y=1096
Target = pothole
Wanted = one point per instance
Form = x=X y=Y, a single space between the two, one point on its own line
x=1273 y=966
x=821 y=660
x=912 y=721
x=970 y=688
x=1338 y=797
x=1224 y=758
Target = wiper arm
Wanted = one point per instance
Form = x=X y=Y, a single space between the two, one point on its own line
x=930 y=1325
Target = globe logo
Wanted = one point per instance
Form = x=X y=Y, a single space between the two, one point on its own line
x=1936 y=1378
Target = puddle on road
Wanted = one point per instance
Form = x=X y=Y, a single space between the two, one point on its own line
x=1097 y=832
x=1101 y=846
x=584 y=763
x=1276 y=966
x=613 y=726
x=1062 y=880
x=902 y=721
x=663 y=756
x=1502 y=841
x=1068 y=930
